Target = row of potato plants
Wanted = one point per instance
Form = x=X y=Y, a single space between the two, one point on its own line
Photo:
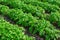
x=35 y=11
x=18 y=4
x=12 y=32
x=44 y=5
x=55 y=2
x=42 y=27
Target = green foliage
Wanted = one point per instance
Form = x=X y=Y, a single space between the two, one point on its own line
x=42 y=27
x=12 y=32
x=36 y=8
x=55 y=17
x=55 y=2
x=38 y=15
x=44 y=5
x=36 y=11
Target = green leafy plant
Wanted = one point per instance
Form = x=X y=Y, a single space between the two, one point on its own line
x=55 y=17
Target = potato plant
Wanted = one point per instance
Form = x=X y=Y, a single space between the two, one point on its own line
x=55 y=17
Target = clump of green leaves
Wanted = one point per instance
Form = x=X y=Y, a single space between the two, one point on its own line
x=55 y=17
x=12 y=32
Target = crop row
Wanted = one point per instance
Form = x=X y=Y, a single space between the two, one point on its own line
x=55 y=2
x=42 y=27
x=12 y=32
x=35 y=11
x=44 y=5
x=31 y=6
